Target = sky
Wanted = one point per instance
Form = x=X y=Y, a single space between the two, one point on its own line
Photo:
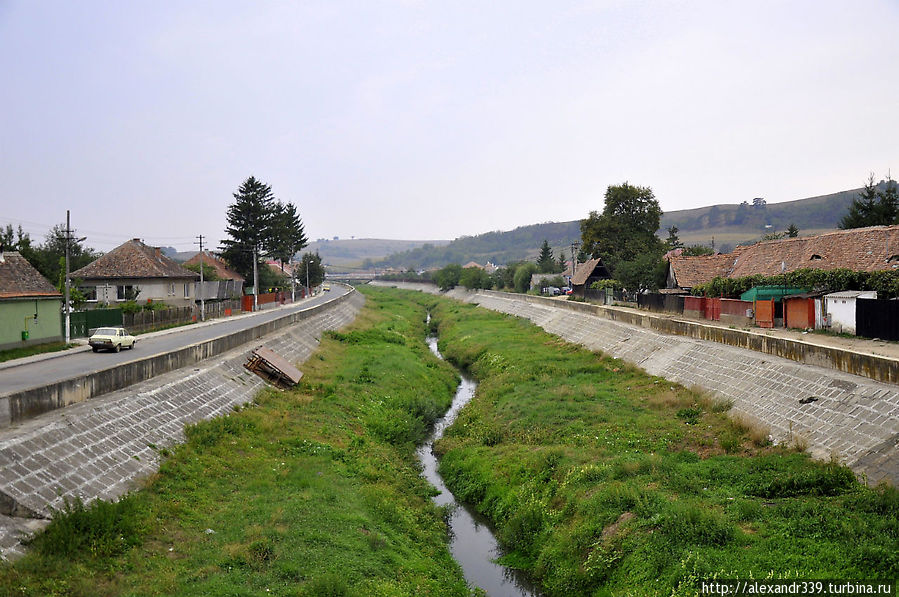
x=407 y=119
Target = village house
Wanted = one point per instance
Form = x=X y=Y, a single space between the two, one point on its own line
x=136 y=271
x=30 y=306
x=859 y=249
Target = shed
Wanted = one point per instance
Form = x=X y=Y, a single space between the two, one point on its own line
x=587 y=273
x=840 y=309
x=766 y=293
x=804 y=310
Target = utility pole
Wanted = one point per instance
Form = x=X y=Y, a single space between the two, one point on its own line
x=66 y=304
x=202 y=289
x=255 y=279
x=574 y=245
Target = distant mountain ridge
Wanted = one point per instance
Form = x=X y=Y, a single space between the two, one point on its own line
x=724 y=226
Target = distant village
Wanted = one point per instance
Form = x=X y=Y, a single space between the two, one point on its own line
x=840 y=281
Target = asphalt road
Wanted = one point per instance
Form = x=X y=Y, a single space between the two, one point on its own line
x=35 y=374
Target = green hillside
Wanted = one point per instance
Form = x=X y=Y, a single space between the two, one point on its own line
x=725 y=225
x=496 y=247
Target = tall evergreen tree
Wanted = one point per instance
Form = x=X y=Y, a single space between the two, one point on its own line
x=288 y=236
x=546 y=263
x=873 y=207
x=249 y=226
x=673 y=241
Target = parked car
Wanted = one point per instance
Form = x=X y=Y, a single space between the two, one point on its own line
x=114 y=339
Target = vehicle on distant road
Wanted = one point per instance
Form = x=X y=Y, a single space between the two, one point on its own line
x=326 y=287
x=114 y=339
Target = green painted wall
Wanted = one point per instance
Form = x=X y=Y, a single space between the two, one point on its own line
x=46 y=328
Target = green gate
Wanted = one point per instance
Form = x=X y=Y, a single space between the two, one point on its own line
x=82 y=322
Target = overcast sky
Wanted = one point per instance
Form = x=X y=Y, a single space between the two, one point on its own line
x=431 y=120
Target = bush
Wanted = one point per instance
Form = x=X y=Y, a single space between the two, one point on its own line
x=100 y=529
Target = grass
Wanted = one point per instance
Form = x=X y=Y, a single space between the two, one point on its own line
x=602 y=480
x=27 y=351
x=313 y=491
x=599 y=479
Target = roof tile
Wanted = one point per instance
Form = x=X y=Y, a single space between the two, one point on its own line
x=133 y=259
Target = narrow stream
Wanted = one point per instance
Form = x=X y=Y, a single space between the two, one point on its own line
x=472 y=543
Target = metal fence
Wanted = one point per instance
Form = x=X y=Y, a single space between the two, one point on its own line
x=877 y=318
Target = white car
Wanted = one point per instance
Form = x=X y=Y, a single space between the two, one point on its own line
x=111 y=339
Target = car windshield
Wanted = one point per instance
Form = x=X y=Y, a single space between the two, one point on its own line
x=106 y=331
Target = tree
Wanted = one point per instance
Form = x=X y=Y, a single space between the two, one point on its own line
x=873 y=207
x=522 y=278
x=209 y=273
x=646 y=272
x=249 y=227
x=448 y=277
x=310 y=265
x=287 y=234
x=626 y=228
x=792 y=231
x=697 y=250
x=673 y=242
x=474 y=278
x=546 y=263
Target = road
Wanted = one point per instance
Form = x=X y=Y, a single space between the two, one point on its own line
x=35 y=374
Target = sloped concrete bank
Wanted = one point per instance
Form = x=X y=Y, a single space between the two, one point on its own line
x=19 y=406
x=837 y=415
x=101 y=447
x=867 y=365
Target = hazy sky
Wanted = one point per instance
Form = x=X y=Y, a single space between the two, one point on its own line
x=431 y=120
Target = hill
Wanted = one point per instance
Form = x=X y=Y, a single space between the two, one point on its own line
x=724 y=226
x=497 y=247
x=359 y=252
x=732 y=225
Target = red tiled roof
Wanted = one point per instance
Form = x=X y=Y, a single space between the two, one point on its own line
x=860 y=249
x=133 y=259
x=472 y=264
x=18 y=279
x=221 y=268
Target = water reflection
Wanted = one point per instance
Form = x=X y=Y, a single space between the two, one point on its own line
x=471 y=542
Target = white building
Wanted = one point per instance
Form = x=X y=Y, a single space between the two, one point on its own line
x=840 y=309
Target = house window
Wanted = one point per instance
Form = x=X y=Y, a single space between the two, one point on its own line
x=126 y=293
x=187 y=291
x=89 y=293
x=172 y=289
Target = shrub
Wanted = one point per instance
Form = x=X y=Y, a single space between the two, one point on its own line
x=100 y=529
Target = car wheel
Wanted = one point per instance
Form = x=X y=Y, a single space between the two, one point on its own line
x=132 y=346
x=118 y=347
x=95 y=349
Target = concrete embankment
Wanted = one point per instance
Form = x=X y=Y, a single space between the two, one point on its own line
x=812 y=403
x=99 y=448
x=25 y=404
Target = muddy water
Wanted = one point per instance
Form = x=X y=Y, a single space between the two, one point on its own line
x=471 y=541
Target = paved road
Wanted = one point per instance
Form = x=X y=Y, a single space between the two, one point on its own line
x=36 y=374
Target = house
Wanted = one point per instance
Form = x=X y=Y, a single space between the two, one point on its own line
x=221 y=268
x=472 y=264
x=840 y=308
x=586 y=274
x=135 y=271
x=30 y=306
x=869 y=249
x=229 y=283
